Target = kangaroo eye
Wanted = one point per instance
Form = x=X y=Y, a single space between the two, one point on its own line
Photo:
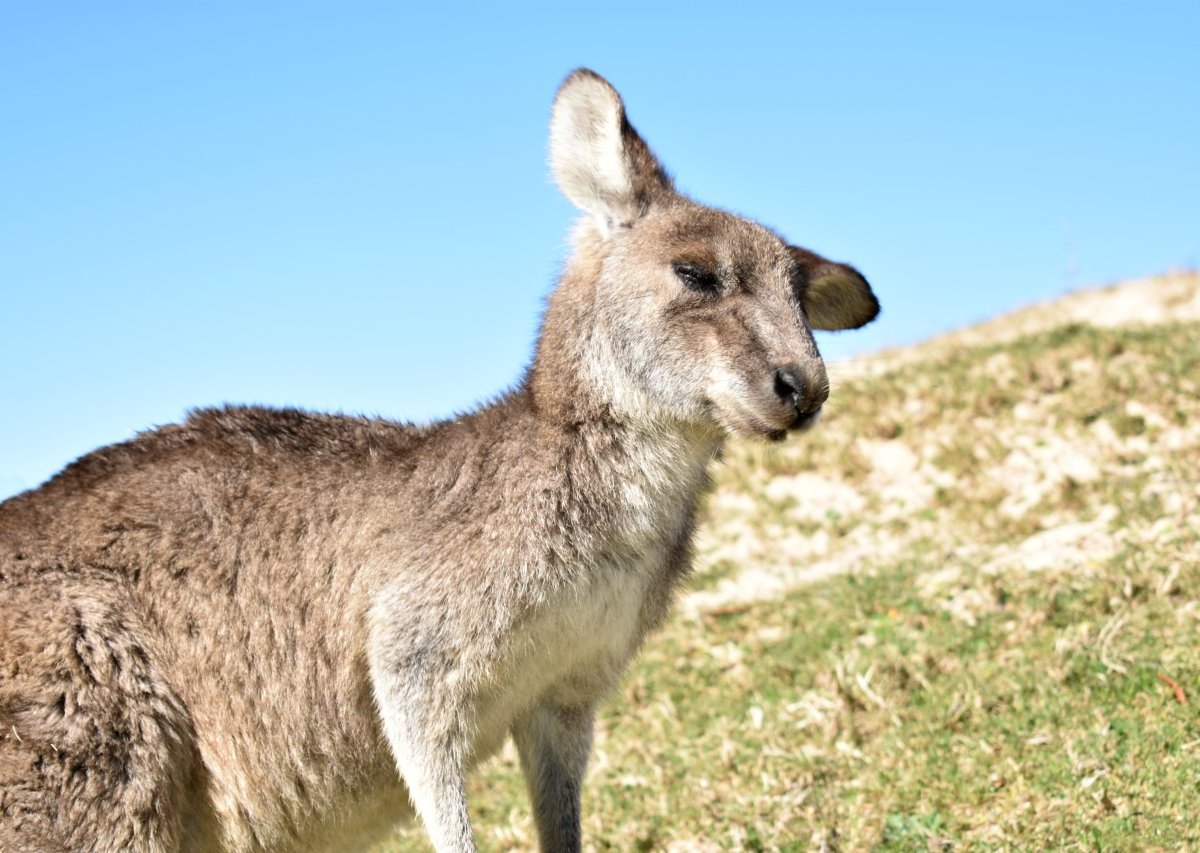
x=697 y=278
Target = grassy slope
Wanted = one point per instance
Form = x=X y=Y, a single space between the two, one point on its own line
x=997 y=548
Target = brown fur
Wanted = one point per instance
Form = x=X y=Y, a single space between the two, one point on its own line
x=269 y=629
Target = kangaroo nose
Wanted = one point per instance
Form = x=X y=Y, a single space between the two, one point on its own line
x=793 y=388
x=788 y=384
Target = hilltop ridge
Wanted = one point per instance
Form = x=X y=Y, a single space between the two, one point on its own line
x=1171 y=297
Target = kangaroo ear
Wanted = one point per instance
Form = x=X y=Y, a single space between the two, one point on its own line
x=599 y=161
x=834 y=296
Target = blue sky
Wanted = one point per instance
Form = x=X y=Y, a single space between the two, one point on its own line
x=347 y=206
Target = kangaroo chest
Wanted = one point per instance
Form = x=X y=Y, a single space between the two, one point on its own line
x=579 y=581
x=575 y=646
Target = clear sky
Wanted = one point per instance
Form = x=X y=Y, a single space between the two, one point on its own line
x=347 y=206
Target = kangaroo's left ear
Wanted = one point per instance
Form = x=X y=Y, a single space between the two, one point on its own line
x=600 y=162
x=834 y=296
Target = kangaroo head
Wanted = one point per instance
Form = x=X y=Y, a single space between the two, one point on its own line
x=669 y=309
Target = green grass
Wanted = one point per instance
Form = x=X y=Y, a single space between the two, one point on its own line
x=959 y=691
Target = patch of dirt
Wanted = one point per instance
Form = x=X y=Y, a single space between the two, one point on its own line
x=1067 y=546
x=1039 y=464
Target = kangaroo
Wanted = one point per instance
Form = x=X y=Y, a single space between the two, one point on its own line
x=267 y=629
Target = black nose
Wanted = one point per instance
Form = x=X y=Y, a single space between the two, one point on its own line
x=799 y=390
x=788 y=384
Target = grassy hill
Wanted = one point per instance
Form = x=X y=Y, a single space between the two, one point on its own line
x=964 y=613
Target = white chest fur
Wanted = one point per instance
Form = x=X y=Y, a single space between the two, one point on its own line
x=572 y=653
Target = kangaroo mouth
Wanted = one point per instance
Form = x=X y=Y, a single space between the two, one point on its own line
x=746 y=422
x=805 y=421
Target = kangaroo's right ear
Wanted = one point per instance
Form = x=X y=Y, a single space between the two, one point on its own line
x=599 y=161
x=835 y=296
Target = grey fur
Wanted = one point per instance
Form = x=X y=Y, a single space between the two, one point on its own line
x=230 y=634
